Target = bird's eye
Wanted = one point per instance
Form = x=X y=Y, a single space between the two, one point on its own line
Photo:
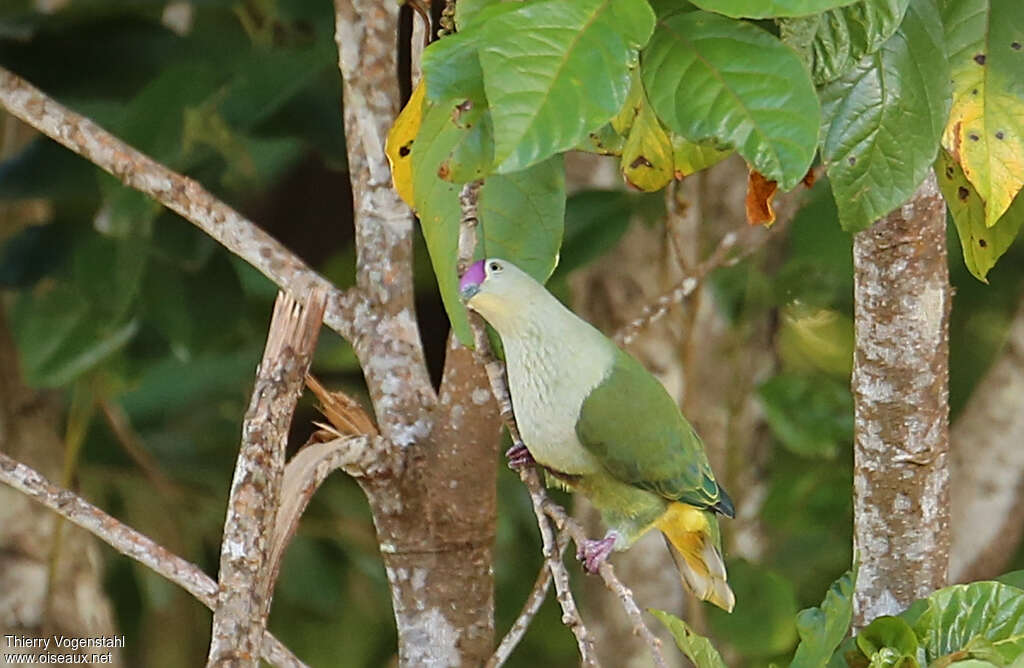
x=495 y=266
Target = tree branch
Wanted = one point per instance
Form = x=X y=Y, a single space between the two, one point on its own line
x=130 y=543
x=391 y=354
x=654 y=311
x=533 y=602
x=180 y=194
x=246 y=576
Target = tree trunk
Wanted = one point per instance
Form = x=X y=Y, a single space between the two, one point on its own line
x=435 y=523
x=900 y=389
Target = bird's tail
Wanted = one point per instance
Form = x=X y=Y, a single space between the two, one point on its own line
x=693 y=538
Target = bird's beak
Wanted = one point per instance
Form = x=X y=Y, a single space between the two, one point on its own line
x=470 y=282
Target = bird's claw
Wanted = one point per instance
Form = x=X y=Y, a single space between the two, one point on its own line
x=593 y=553
x=519 y=457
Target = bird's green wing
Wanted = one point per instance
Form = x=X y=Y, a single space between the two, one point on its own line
x=632 y=425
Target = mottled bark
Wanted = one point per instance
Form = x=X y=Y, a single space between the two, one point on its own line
x=988 y=467
x=36 y=601
x=435 y=523
x=900 y=389
x=246 y=576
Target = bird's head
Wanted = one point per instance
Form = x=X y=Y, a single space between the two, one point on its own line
x=498 y=290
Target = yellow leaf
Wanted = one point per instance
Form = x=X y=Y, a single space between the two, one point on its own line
x=623 y=120
x=982 y=245
x=399 y=144
x=647 y=155
x=691 y=157
x=985 y=133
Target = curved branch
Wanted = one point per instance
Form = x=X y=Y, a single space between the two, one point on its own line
x=179 y=194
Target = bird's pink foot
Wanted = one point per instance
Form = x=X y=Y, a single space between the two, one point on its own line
x=519 y=457
x=593 y=553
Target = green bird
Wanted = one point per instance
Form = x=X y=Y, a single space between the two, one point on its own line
x=601 y=425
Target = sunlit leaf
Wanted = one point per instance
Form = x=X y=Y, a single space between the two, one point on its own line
x=883 y=120
x=647 y=162
x=696 y=647
x=709 y=77
x=821 y=629
x=982 y=245
x=555 y=71
x=985 y=133
x=952 y=617
x=889 y=641
x=763 y=9
x=833 y=42
x=689 y=157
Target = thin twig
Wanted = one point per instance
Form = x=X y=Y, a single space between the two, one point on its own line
x=499 y=387
x=720 y=257
x=570 y=526
x=178 y=193
x=130 y=543
x=533 y=602
x=246 y=578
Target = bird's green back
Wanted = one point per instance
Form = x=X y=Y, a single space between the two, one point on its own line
x=631 y=424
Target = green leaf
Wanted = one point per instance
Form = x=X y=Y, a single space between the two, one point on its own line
x=762 y=623
x=822 y=629
x=982 y=245
x=451 y=68
x=1013 y=578
x=833 y=42
x=696 y=647
x=809 y=416
x=954 y=616
x=60 y=337
x=763 y=9
x=884 y=118
x=709 y=77
x=985 y=133
x=468 y=12
x=555 y=71
x=595 y=220
x=521 y=214
x=437 y=206
x=690 y=157
x=889 y=633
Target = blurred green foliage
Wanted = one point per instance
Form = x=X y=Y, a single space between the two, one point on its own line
x=110 y=290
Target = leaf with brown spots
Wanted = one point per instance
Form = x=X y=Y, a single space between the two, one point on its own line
x=982 y=245
x=760 y=193
x=985 y=132
x=647 y=155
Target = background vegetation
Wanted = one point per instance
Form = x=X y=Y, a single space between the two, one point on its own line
x=146 y=332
